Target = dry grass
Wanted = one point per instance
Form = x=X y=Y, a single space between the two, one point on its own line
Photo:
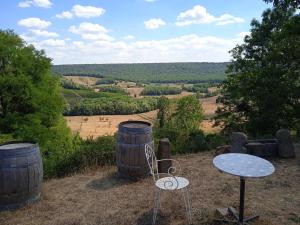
x=209 y=106
x=98 y=197
x=88 y=81
x=135 y=91
x=95 y=126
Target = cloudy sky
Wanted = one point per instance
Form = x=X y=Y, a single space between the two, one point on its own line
x=126 y=31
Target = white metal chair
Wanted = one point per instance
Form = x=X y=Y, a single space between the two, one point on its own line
x=167 y=182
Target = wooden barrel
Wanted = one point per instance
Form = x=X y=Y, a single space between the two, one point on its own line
x=132 y=138
x=21 y=174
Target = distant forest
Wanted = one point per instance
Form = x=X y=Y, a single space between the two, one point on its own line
x=149 y=72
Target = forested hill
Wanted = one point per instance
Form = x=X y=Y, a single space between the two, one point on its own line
x=149 y=72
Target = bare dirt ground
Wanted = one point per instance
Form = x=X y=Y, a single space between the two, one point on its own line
x=95 y=126
x=98 y=197
x=89 y=81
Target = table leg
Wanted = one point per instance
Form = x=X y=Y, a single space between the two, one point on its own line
x=242 y=200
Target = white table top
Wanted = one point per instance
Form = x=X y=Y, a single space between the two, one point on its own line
x=243 y=165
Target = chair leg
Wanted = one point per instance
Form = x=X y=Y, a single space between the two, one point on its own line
x=156 y=205
x=187 y=203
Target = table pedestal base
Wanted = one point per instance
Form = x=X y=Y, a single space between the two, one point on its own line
x=232 y=211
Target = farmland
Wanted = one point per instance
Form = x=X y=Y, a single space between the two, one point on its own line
x=99 y=97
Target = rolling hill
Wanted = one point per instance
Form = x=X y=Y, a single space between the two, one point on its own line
x=149 y=72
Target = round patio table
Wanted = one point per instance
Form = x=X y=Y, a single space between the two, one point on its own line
x=243 y=166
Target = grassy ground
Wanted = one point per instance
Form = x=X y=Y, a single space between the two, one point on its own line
x=98 y=197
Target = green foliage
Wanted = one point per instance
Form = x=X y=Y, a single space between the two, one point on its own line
x=92 y=153
x=262 y=90
x=163 y=114
x=113 y=89
x=83 y=102
x=179 y=122
x=188 y=114
x=202 y=87
x=161 y=90
x=31 y=104
x=104 y=81
x=68 y=84
x=150 y=72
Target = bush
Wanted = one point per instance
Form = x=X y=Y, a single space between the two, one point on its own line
x=31 y=104
x=85 y=102
x=161 y=90
x=113 y=89
x=92 y=153
x=69 y=84
x=105 y=81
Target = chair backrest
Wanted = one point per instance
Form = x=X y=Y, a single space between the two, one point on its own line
x=152 y=161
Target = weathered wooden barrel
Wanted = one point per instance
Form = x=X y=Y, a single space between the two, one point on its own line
x=21 y=174
x=132 y=138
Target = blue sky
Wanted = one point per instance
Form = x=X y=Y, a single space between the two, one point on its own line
x=124 y=31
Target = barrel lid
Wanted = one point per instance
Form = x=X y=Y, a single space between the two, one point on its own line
x=135 y=126
x=15 y=146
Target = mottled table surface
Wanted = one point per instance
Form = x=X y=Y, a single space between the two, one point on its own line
x=243 y=165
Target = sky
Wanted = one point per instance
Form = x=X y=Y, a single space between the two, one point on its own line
x=131 y=31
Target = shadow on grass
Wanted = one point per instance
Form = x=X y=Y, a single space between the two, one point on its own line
x=106 y=183
x=146 y=219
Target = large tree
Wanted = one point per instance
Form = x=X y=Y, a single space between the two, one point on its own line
x=31 y=104
x=262 y=90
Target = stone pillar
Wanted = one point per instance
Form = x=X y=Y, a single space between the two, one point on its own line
x=238 y=142
x=285 y=148
x=164 y=152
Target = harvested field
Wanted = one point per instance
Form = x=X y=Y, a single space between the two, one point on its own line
x=207 y=127
x=182 y=94
x=88 y=81
x=98 y=197
x=95 y=126
x=209 y=106
x=135 y=91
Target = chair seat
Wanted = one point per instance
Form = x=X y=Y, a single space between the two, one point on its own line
x=169 y=183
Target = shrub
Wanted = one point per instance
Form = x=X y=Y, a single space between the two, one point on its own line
x=31 y=104
x=113 y=89
x=91 y=153
x=161 y=90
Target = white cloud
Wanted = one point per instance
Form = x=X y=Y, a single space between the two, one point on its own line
x=65 y=15
x=129 y=37
x=150 y=0
x=44 y=33
x=185 y=48
x=81 y=11
x=86 y=27
x=37 y=3
x=52 y=43
x=199 y=15
x=154 y=23
x=87 y=11
x=34 y=23
x=91 y=31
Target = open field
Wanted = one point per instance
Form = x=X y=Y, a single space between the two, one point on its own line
x=95 y=126
x=88 y=81
x=209 y=106
x=135 y=91
x=98 y=197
